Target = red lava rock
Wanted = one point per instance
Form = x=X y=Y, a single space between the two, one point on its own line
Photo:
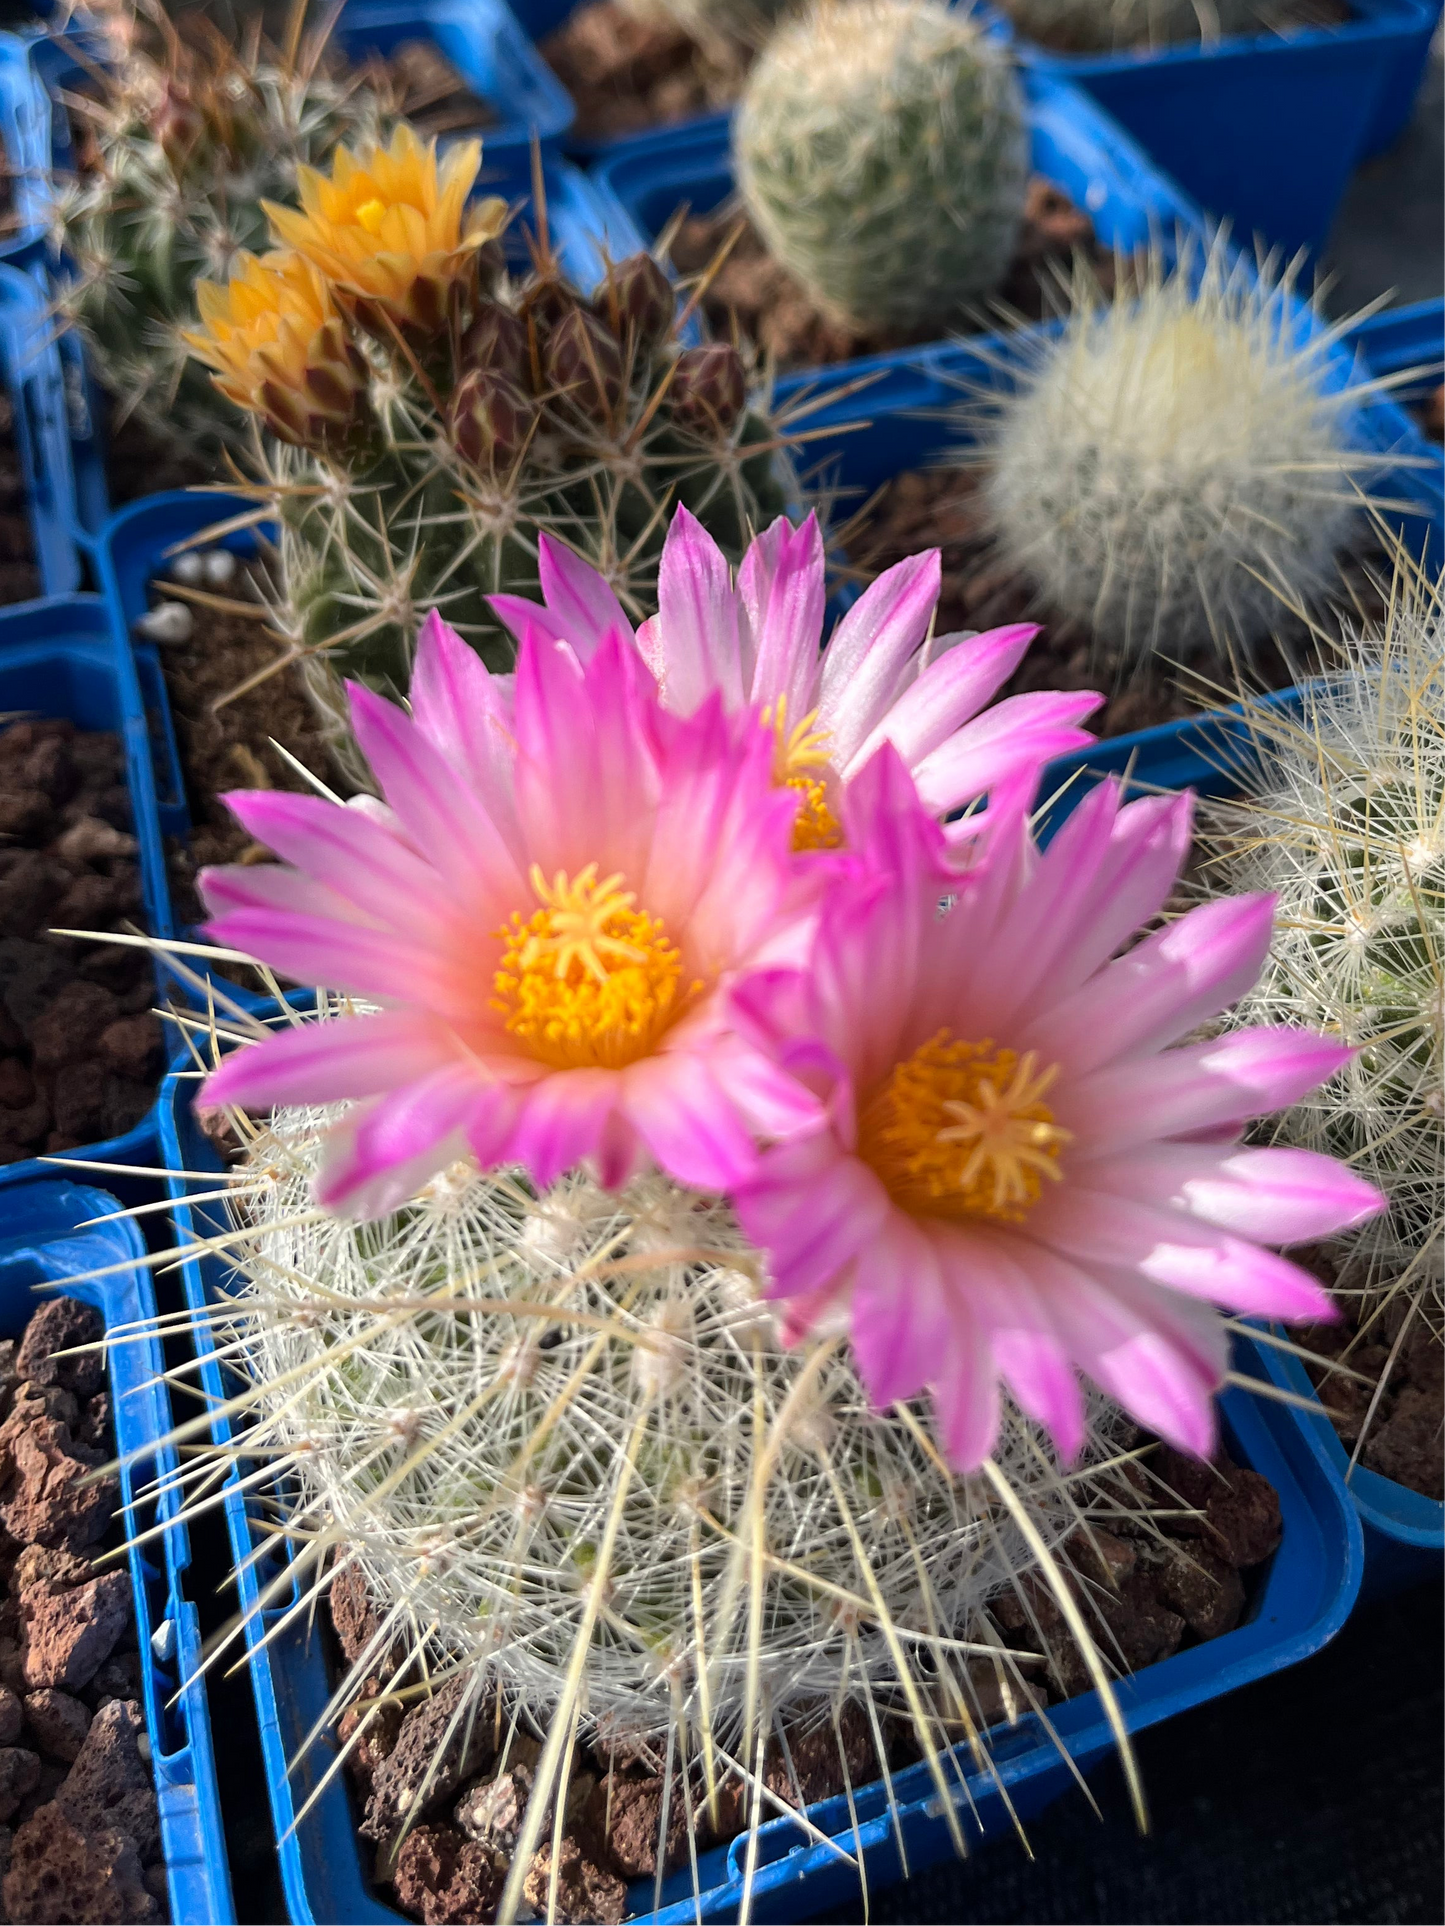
x=352 y=1615
x=110 y=1783
x=1241 y=1509
x=78 y=1102
x=134 y=1044
x=817 y=1771
x=59 y=1874
x=70 y=1028
x=448 y=1880
x=586 y=1892
x=117 y=1678
x=62 y=1325
x=17 y=1086
x=377 y=1741
x=491 y=1810
x=630 y=1830
x=12 y=1716
x=1406 y=1446
x=67 y=1634
x=19 y=1770
x=425 y=1752
x=58 y=1721
x=1204 y=1589
x=49 y=1501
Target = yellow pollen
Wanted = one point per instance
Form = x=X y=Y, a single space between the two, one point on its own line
x=799 y=754
x=371 y=214
x=960 y=1130
x=587 y=980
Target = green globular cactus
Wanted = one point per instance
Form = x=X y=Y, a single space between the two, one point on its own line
x=1099 y=26
x=490 y=409
x=1343 y=817
x=560 y=1439
x=882 y=151
x=1179 y=464
x=180 y=147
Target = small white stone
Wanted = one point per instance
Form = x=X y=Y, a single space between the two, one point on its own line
x=167 y=622
x=189 y=568
x=220 y=566
x=163 y=1640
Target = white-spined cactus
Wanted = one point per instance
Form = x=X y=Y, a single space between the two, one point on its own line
x=558 y=1437
x=725 y=23
x=882 y=151
x=1098 y=26
x=1343 y=817
x=1179 y=464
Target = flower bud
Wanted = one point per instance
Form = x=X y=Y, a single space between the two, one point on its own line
x=584 y=363
x=489 y=420
x=637 y=299
x=496 y=340
x=709 y=389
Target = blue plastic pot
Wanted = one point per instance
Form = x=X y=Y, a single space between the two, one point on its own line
x=57 y=658
x=25 y=143
x=647 y=178
x=31 y=369
x=1265 y=131
x=585 y=233
x=1395 y=104
x=1305 y=1597
x=41 y=1243
x=1410 y=339
x=1404 y=1533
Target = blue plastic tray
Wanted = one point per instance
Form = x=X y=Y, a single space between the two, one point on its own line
x=1410 y=338
x=31 y=369
x=1265 y=131
x=1395 y=103
x=585 y=233
x=1307 y=1593
x=41 y=1243
x=25 y=142
x=57 y=658
x=646 y=179
x=1404 y=1533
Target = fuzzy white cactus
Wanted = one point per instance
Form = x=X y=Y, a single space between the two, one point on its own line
x=882 y=151
x=1180 y=464
x=1098 y=26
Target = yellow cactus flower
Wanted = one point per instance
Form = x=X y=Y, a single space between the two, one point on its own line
x=279 y=348
x=387 y=229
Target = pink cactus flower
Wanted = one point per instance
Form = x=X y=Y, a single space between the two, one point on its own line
x=1023 y=1172
x=548 y=910
x=881 y=679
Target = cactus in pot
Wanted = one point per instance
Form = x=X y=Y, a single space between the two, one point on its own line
x=423 y=415
x=1178 y=464
x=1100 y=26
x=182 y=142
x=882 y=151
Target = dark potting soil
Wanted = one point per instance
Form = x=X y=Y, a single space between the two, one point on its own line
x=429 y=92
x=19 y=577
x=1148 y=1598
x=79 y=1831
x=1276 y=18
x=1405 y=1437
x=1432 y=414
x=770 y=307
x=80 y=1049
x=627 y=74
x=939 y=508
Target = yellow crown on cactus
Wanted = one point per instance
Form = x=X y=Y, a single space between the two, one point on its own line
x=386 y=229
x=279 y=348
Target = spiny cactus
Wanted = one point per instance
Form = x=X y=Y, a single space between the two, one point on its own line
x=1343 y=817
x=559 y=1438
x=1175 y=467
x=181 y=148
x=882 y=151
x=1098 y=26
x=724 y=23
x=427 y=415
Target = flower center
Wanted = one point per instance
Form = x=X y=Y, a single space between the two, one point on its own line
x=960 y=1130
x=800 y=761
x=371 y=214
x=587 y=980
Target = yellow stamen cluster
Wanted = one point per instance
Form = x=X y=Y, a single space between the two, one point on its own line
x=960 y=1130
x=800 y=761
x=587 y=980
x=386 y=227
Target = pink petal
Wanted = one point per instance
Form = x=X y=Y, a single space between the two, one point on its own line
x=685 y=1117
x=953 y=687
x=966 y=1393
x=1279 y=1196
x=897 y=1319
x=813 y=1210
x=1195 y=1087
x=465 y=710
x=580 y=600
x=1021 y=732
x=382 y=1154
x=336 y=1061
x=1163 y=988
x=697 y=619
x=559 y=1121
x=870 y=648
x=526 y=618
x=781 y=592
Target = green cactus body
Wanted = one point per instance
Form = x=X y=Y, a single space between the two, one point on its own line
x=883 y=153
x=1099 y=26
x=1344 y=819
x=183 y=154
x=1174 y=468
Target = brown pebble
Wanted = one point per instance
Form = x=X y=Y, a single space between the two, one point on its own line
x=1406 y=1446
x=1203 y=1588
x=629 y=1829
x=67 y=1634
x=446 y=1879
x=134 y=1044
x=52 y=1500
x=492 y=1810
x=70 y=1026
x=59 y=1874
x=12 y=1716
x=429 y=1752
x=19 y=1770
x=60 y=1325
x=110 y=1782
x=587 y=1894
x=58 y=1721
